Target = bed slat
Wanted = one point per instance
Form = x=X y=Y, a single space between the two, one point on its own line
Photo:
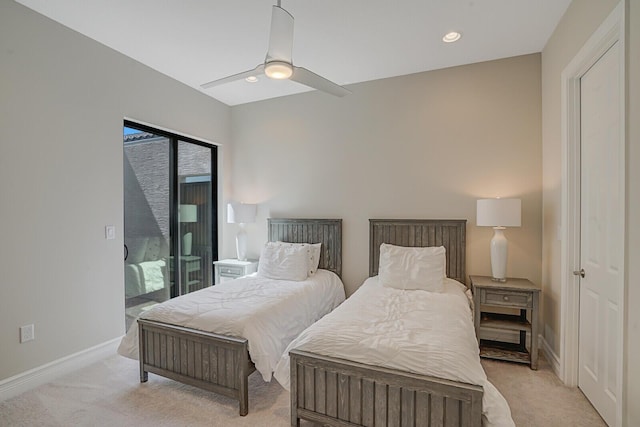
x=355 y=400
x=170 y=354
x=394 y=411
x=321 y=386
x=437 y=410
x=230 y=358
x=422 y=409
x=408 y=415
x=380 y=406
x=367 y=402
x=191 y=359
x=343 y=397
x=452 y=412
x=332 y=394
x=206 y=363
x=309 y=388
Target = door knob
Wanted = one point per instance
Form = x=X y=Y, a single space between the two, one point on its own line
x=579 y=273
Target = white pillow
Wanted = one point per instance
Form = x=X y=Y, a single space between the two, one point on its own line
x=412 y=268
x=137 y=247
x=153 y=249
x=283 y=262
x=313 y=252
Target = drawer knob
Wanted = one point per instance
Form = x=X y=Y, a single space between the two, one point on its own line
x=506 y=298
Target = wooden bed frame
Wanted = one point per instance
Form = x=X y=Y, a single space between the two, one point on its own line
x=338 y=392
x=221 y=363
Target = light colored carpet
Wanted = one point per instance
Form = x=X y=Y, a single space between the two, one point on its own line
x=109 y=393
x=538 y=398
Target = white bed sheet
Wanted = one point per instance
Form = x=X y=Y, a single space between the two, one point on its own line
x=268 y=313
x=144 y=277
x=418 y=331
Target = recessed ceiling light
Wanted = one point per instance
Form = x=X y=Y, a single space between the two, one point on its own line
x=252 y=79
x=451 y=37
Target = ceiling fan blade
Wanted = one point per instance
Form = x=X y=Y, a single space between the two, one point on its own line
x=280 y=36
x=311 y=79
x=255 y=72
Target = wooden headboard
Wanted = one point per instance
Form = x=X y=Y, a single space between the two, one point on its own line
x=325 y=231
x=450 y=233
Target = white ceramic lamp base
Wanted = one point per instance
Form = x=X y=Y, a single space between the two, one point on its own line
x=499 y=255
x=241 y=244
x=186 y=244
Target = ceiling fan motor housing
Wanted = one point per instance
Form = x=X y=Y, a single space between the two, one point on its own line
x=278 y=70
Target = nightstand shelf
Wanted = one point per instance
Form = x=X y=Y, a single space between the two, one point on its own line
x=512 y=322
x=498 y=350
x=491 y=298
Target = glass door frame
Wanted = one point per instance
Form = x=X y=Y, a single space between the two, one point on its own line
x=175 y=244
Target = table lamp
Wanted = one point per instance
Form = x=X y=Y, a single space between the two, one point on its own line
x=187 y=213
x=499 y=214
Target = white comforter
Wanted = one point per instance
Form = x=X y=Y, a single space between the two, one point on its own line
x=417 y=331
x=268 y=313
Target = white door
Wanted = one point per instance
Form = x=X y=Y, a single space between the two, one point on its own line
x=602 y=233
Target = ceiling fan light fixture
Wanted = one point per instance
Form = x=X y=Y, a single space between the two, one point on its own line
x=451 y=37
x=278 y=63
x=278 y=70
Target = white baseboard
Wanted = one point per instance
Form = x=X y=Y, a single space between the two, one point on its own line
x=32 y=378
x=551 y=356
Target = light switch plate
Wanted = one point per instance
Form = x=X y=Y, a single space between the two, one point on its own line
x=110 y=232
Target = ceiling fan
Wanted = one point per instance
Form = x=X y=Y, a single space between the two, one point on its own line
x=278 y=63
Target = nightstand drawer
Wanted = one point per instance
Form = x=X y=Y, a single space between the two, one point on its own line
x=230 y=271
x=506 y=298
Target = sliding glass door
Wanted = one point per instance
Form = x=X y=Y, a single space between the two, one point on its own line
x=195 y=216
x=169 y=216
x=147 y=221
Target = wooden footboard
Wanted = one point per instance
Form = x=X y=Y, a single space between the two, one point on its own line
x=338 y=392
x=209 y=361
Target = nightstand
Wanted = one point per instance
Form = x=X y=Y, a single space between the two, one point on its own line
x=232 y=269
x=519 y=294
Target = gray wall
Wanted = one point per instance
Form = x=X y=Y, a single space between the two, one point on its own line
x=420 y=146
x=578 y=24
x=632 y=336
x=63 y=98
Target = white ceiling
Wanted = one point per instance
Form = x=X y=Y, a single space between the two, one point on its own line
x=347 y=41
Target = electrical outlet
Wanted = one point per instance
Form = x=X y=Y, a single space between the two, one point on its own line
x=27 y=333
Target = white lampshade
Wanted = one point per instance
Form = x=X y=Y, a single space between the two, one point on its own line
x=188 y=213
x=241 y=213
x=499 y=212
